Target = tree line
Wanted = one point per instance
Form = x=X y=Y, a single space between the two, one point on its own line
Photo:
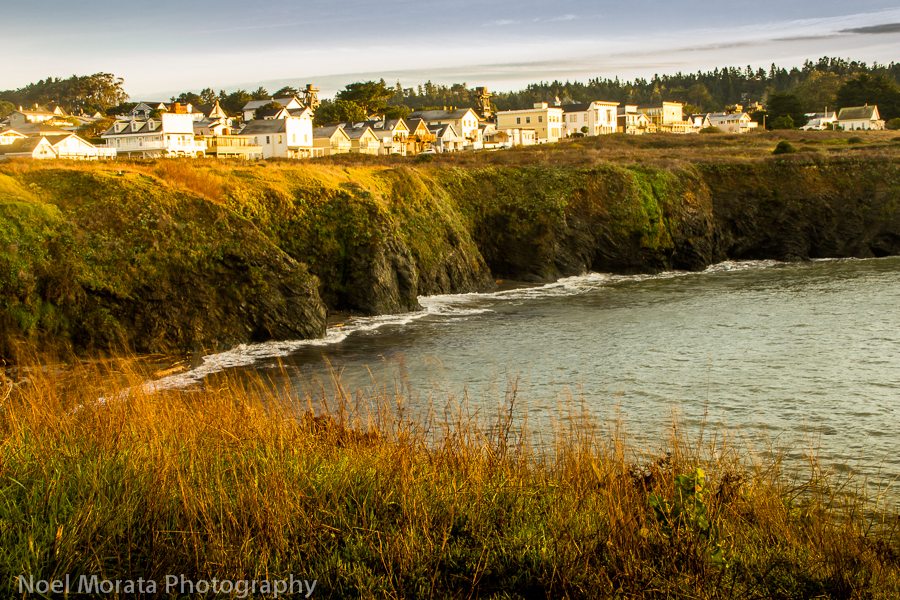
x=828 y=83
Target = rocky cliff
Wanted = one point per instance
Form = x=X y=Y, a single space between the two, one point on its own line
x=181 y=255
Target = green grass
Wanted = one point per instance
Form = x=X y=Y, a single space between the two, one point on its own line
x=236 y=480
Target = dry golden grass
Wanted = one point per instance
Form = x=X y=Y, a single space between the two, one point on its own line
x=237 y=479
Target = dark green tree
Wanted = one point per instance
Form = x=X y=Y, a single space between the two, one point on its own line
x=234 y=102
x=339 y=111
x=268 y=106
x=187 y=98
x=207 y=96
x=260 y=94
x=395 y=112
x=370 y=95
x=867 y=89
x=783 y=104
x=286 y=92
x=6 y=108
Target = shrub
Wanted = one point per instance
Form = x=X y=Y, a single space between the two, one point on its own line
x=783 y=122
x=711 y=129
x=855 y=140
x=893 y=124
x=424 y=158
x=784 y=147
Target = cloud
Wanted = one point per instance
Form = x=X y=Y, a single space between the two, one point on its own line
x=500 y=23
x=564 y=18
x=885 y=28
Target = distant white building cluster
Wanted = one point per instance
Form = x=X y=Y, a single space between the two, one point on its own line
x=283 y=128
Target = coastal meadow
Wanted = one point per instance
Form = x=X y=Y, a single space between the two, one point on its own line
x=236 y=479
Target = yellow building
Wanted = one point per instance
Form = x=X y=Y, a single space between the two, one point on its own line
x=667 y=117
x=546 y=121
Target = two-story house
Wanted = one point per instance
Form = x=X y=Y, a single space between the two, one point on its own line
x=545 y=120
x=172 y=134
x=593 y=118
x=732 y=122
x=667 y=117
x=632 y=121
x=465 y=123
x=288 y=137
x=331 y=139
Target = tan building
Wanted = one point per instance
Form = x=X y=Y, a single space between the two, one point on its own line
x=667 y=117
x=330 y=140
x=363 y=139
x=232 y=146
x=545 y=120
x=632 y=121
x=465 y=122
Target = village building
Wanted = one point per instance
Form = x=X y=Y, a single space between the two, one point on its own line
x=592 y=118
x=67 y=146
x=288 y=137
x=38 y=115
x=820 y=121
x=172 y=134
x=732 y=122
x=465 y=122
x=666 y=117
x=249 y=109
x=632 y=121
x=232 y=146
x=331 y=139
x=364 y=140
x=860 y=118
x=546 y=121
x=419 y=138
x=446 y=139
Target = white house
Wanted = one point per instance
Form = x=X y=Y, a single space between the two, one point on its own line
x=74 y=148
x=819 y=121
x=446 y=139
x=860 y=117
x=597 y=117
x=546 y=121
x=68 y=146
x=172 y=134
x=732 y=122
x=8 y=136
x=289 y=137
x=249 y=109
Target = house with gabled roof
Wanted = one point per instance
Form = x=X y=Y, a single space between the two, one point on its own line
x=289 y=103
x=446 y=139
x=37 y=115
x=419 y=138
x=331 y=139
x=860 y=118
x=172 y=134
x=820 y=121
x=632 y=121
x=10 y=135
x=465 y=122
x=288 y=137
x=666 y=117
x=42 y=147
x=37 y=147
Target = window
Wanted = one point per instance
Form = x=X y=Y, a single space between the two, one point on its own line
x=528 y=119
x=267 y=139
x=518 y=120
x=540 y=118
x=585 y=117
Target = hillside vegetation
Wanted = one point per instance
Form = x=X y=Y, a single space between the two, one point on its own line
x=179 y=255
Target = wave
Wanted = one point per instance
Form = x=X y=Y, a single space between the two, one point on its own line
x=438 y=306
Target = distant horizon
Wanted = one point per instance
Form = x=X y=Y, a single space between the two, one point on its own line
x=501 y=46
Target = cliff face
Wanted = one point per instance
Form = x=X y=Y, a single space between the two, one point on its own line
x=178 y=255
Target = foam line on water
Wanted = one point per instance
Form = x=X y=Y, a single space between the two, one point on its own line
x=446 y=305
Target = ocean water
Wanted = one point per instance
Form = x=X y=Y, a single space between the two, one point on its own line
x=802 y=356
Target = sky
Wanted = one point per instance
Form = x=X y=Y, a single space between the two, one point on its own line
x=167 y=47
